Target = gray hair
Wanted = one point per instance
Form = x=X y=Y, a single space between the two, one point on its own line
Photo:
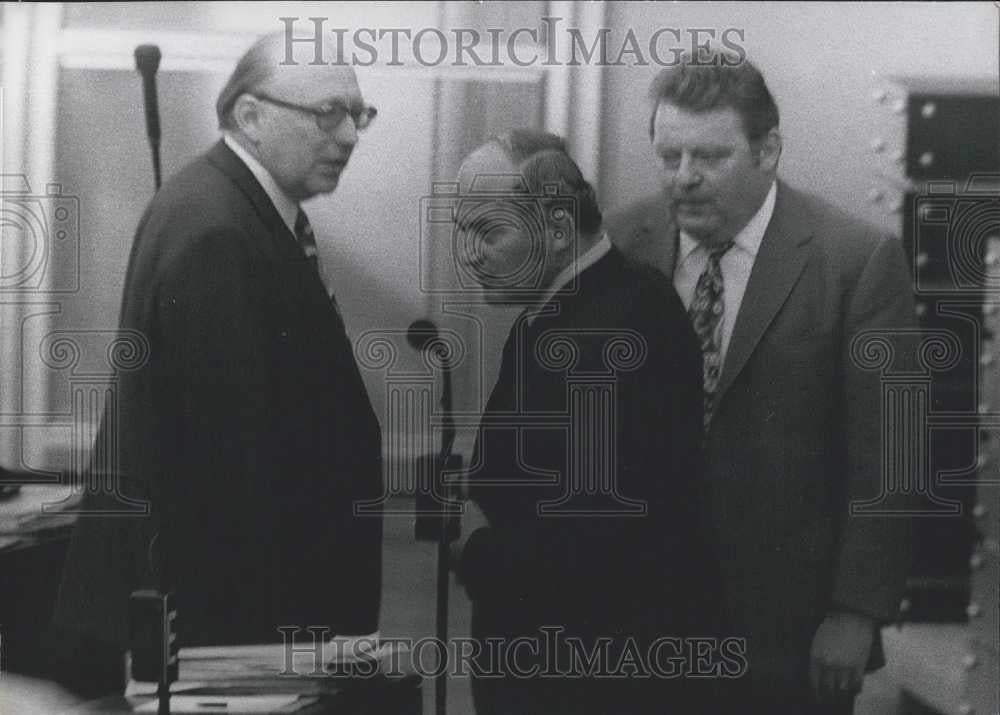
x=543 y=159
x=255 y=67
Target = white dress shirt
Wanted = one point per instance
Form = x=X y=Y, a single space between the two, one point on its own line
x=735 y=264
x=287 y=209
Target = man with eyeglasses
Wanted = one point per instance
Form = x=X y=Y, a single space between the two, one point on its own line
x=248 y=431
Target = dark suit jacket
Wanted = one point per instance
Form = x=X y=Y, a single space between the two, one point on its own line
x=639 y=576
x=248 y=429
x=797 y=435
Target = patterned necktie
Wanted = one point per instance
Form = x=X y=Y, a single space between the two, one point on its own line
x=307 y=240
x=707 y=313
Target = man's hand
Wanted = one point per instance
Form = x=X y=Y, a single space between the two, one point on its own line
x=473 y=519
x=840 y=651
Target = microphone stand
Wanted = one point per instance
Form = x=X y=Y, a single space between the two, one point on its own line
x=421 y=336
x=445 y=536
x=147 y=61
x=153 y=642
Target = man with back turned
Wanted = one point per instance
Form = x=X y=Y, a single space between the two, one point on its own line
x=583 y=522
x=778 y=285
x=248 y=431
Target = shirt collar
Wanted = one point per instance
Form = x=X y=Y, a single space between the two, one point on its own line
x=287 y=209
x=581 y=263
x=748 y=239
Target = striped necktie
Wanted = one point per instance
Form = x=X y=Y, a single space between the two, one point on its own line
x=707 y=313
x=307 y=240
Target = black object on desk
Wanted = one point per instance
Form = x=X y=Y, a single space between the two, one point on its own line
x=153 y=642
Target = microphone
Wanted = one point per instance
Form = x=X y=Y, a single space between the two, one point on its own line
x=420 y=333
x=147 y=61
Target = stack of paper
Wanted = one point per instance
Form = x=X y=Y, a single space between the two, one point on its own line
x=229 y=704
x=270 y=669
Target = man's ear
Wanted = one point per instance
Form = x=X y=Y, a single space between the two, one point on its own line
x=769 y=150
x=247 y=115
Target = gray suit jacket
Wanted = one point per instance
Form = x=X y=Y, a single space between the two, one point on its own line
x=797 y=436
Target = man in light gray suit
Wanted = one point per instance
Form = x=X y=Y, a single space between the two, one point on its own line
x=778 y=283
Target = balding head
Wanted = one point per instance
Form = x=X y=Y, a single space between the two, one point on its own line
x=264 y=66
x=254 y=68
x=526 y=214
x=270 y=106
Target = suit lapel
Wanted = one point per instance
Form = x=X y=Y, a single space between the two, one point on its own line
x=779 y=263
x=282 y=247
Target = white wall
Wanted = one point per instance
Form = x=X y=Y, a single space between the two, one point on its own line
x=368 y=231
x=822 y=61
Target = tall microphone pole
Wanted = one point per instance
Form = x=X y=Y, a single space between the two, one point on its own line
x=424 y=335
x=152 y=612
x=147 y=61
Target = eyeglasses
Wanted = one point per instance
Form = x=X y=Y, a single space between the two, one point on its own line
x=329 y=114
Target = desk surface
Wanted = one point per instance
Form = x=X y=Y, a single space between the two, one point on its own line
x=372 y=696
